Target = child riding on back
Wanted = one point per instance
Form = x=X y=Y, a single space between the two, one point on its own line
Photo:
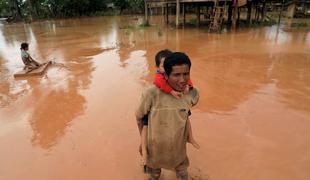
x=162 y=84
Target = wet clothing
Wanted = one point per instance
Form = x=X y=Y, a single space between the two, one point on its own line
x=145 y=118
x=181 y=171
x=161 y=82
x=167 y=126
x=25 y=57
x=29 y=63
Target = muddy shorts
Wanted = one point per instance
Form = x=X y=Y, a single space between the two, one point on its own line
x=180 y=170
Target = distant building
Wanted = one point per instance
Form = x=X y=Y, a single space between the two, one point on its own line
x=298 y=8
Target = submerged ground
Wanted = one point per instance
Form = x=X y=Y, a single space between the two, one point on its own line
x=77 y=121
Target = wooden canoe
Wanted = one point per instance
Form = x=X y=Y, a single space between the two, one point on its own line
x=33 y=72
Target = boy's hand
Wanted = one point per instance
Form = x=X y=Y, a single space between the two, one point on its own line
x=176 y=94
x=186 y=91
x=144 y=156
x=193 y=142
x=140 y=149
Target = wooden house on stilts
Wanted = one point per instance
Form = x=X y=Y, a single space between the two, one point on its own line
x=214 y=10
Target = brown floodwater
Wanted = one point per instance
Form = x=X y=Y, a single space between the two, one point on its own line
x=77 y=121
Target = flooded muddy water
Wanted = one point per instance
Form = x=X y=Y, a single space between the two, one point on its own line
x=77 y=121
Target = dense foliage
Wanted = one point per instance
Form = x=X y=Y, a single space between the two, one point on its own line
x=32 y=9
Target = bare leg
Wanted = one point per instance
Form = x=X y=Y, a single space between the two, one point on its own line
x=181 y=171
x=154 y=174
x=36 y=63
x=30 y=67
x=190 y=136
x=144 y=144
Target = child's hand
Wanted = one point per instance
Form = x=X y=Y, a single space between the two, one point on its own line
x=176 y=94
x=193 y=142
x=186 y=91
x=144 y=156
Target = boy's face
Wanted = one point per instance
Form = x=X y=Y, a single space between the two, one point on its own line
x=161 y=65
x=178 y=77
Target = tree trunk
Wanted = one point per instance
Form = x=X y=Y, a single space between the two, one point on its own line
x=30 y=10
x=16 y=12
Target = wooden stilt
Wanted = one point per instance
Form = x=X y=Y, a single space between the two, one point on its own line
x=238 y=19
x=177 y=13
x=281 y=12
x=198 y=14
x=235 y=12
x=184 y=20
x=264 y=10
x=146 y=13
x=230 y=12
x=249 y=8
x=256 y=13
x=167 y=13
x=163 y=10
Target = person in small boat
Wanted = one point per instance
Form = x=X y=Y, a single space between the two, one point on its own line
x=29 y=62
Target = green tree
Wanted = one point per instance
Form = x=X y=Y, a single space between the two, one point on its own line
x=4 y=8
x=30 y=12
x=97 y=5
x=136 y=6
x=121 y=4
x=15 y=6
x=64 y=8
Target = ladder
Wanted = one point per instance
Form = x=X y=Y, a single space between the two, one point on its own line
x=217 y=17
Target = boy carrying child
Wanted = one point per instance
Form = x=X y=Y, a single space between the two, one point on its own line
x=161 y=82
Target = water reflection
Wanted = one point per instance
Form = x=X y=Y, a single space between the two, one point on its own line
x=96 y=89
x=57 y=94
x=227 y=68
x=291 y=74
x=53 y=114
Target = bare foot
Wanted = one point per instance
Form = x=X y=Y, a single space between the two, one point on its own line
x=194 y=143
